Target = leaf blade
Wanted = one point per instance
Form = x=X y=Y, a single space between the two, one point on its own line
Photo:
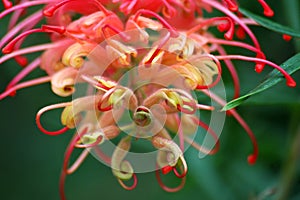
x=274 y=77
x=270 y=24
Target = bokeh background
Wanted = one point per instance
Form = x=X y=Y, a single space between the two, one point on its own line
x=30 y=162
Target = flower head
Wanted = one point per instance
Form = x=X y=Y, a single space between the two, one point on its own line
x=141 y=63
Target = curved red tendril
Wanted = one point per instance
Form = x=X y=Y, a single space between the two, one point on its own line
x=166 y=188
x=10 y=46
x=233 y=73
x=102 y=156
x=58 y=132
x=173 y=32
x=179 y=175
x=49 y=12
x=67 y=156
x=252 y=157
x=211 y=132
x=289 y=80
x=44 y=29
x=42 y=111
x=228 y=27
x=129 y=187
x=183 y=168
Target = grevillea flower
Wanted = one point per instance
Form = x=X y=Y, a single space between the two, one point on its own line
x=142 y=62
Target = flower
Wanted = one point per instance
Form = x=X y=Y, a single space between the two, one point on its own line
x=141 y=63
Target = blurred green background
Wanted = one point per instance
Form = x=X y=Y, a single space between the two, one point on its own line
x=30 y=161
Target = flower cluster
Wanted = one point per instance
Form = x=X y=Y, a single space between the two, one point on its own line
x=141 y=62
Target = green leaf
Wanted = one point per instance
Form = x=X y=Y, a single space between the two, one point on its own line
x=270 y=24
x=274 y=77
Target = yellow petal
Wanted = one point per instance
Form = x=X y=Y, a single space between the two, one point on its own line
x=62 y=82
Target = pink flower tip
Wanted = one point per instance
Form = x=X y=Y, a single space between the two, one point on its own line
x=269 y=13
x=291 y=82
x=287 y=37
x=48 y=12
x=240 y=33
x=56 y=29
x=166 y=169
x=8 y=49
x=21 y=60
x=232 y=6
x=228 y=35
x=252 y=159
x=7 y=4
x=267 y=10
x=259 y=67
x=223 y=27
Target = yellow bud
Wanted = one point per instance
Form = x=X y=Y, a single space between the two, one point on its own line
x=120 y=167
x=74 y=55
x=68 y=118
x=71 y=114
x=171 y=150
x=62 y=82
